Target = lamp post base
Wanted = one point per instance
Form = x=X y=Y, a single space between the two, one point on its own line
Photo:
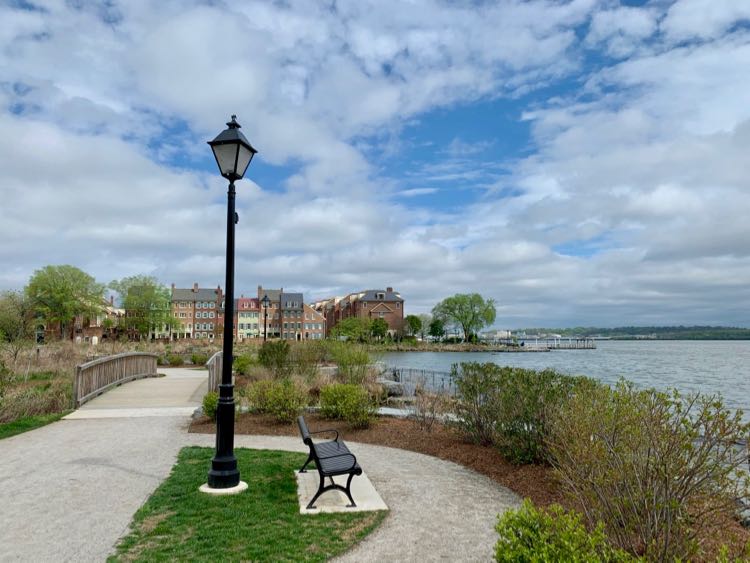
x=237 y=489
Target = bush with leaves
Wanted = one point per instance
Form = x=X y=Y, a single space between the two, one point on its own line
x=175 y=360
x=305 y=358
x=210 y=404
x=478 y=394
x=274 y=356
x=198 y=359
x=348 y=402
x=353 y=360
x=530 y=534
x=257 y=395
x=285 y=400
x=242 y=364
x=656 y=468
x=429 y=408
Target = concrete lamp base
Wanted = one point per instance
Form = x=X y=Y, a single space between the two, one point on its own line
x=237 y=489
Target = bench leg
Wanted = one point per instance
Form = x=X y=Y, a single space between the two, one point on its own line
x=309 y=459
x=333 y=486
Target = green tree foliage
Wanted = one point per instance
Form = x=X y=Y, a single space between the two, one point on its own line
x=437 y=328
x=413 y=324
x=353 y=328
x=379 y=328
x=16 y=323
x=147 y=305
x=61 y=293
x=470 y=311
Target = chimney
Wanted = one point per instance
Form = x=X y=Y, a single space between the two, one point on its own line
x=389 y=289
x=172 y=287
x=195 y=287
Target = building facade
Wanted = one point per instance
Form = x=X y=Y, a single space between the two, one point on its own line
x=368 y=304
x=248 y=322
x=314 y=324
x=198 y=310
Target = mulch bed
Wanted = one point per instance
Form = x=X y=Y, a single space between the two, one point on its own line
x=528 y=481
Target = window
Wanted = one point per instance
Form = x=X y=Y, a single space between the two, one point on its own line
x=182 y=315
x=212 y=305
x=286 y=325
x=382 y=314
x=299 y=326
x=380 y=295
x=210 y=326
x=198 y=305
x=364 y=304
x=211 y=315
x=398 y=305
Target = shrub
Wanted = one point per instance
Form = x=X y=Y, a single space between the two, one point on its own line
x=656 y=468
x=198 y=359
x=257 y=395
x=511 y=407
x=162 y=361
x=285 y=400
x=347 y=402
x=175 y=360
x=242 y=364
x=428 y=408
x=49 y=397
x=274 y=355
x=210 y=404
x=529 y=534
x=353 y=360
x=306 y=357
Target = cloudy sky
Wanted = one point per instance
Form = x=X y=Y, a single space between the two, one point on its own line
x=583 y=162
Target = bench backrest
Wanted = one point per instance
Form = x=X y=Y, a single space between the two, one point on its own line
x=304 y=431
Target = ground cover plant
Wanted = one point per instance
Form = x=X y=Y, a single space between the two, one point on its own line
x=179 y=523
x=25 y=424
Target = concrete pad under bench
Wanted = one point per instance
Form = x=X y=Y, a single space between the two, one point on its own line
x=363 y=491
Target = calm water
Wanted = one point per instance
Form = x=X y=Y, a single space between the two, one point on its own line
x=705 y=366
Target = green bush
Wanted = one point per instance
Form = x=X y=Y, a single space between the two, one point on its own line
x=347 y=402
x=657 y=468
x=175 y=360
x=49 y=397
x=257 y=395
x=162 y=361
x=242 y=364
x=532 y=535
x=274 y=355
x=511 y=407
x=210 y=403
x=285 y=400
x=305 y=358
x=198 y=359
x=353 y=360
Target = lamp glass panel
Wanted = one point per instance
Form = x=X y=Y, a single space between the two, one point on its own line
x=243 y=160
x=226 y=157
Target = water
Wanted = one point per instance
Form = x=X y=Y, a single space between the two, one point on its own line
x=705 y=366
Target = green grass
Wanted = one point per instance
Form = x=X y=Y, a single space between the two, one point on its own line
x=8 y=429
x=179 y=523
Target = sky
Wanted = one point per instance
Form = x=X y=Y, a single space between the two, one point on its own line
x=581 y=162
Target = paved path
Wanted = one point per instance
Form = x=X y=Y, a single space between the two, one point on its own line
x=69 y=490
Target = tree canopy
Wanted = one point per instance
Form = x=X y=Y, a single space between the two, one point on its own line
x=16 y=323
x=470 y=311
x=353 y=328
x=379 y=328
x=61 y=293
x=147 y=304
x=413 y=324
x=437 y=328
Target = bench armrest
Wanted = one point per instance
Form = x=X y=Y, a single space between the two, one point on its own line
x=325 y=432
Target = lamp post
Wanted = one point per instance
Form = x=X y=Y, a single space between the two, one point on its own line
x=265 y=302
x=233 y=153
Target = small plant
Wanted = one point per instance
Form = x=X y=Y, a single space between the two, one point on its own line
x=175 y=360
x=274 y=355
x=257 y=395
x=478 y=388
x=353 y=361
x=198 y=359
x=428 y=408
x=210 y=404
x=242 y=364
x=530 y=534
x=285 y=400
x=347 y=402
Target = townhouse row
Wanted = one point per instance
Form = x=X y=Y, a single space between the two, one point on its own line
x=275 y=313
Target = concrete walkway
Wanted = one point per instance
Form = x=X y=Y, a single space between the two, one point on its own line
x=69 y=490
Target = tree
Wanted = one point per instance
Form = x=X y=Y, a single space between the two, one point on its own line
x=437 y=328
x=424 y=329
x=379 y=328
x=352 y=328
x=16 y=323
x=413 y=324
x=147 y=305
x=61 y=293
x=470 y=311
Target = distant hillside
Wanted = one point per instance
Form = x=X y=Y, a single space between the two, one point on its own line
x=652 y=332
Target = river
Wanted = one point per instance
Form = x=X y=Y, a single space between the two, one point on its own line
x=706 y=366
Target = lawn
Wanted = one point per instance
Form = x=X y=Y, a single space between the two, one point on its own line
x=179 y=523
x=8 y=429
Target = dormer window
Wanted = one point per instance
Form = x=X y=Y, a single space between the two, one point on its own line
x=364 y=304
x=380 y=295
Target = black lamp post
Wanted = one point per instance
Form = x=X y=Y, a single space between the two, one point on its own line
x=265 y=302
x=233 y=154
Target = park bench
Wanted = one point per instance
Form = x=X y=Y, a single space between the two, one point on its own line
x=332 y=458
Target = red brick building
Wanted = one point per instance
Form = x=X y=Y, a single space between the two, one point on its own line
x=371 y=304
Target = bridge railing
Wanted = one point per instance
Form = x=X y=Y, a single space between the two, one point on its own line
x=214 y=371
x=95 y=377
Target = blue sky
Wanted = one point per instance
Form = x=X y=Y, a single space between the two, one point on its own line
x=581 y=162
